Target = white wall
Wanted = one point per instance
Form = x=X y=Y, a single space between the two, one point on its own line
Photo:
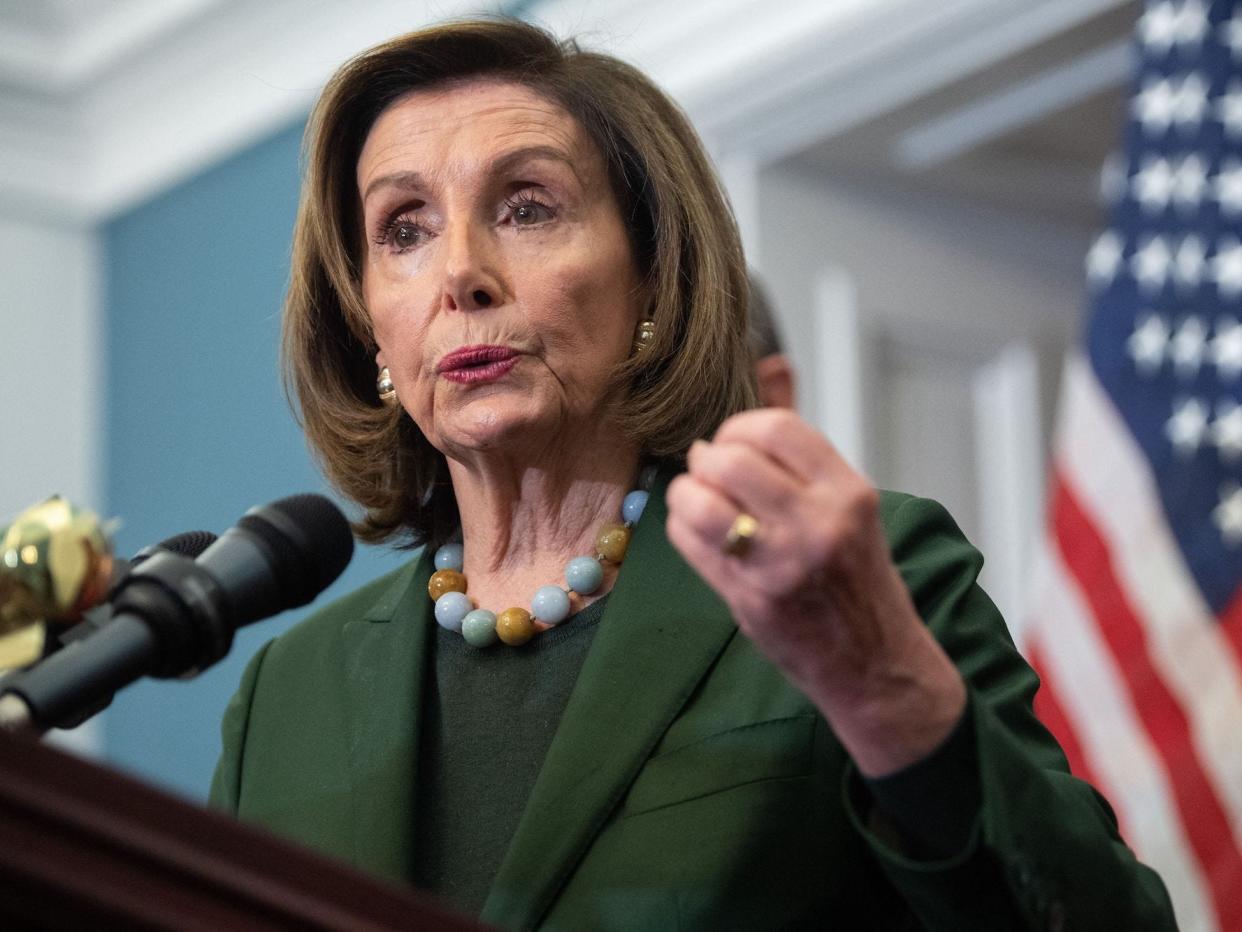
x=943 y=291
x=51 y=368
x=50 y=364
x=921 y=263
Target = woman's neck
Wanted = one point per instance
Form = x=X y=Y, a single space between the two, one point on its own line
x=522 y=521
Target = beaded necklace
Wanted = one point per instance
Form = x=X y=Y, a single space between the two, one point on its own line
x=550 y=604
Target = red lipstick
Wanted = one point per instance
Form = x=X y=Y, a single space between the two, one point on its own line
x=473 y=364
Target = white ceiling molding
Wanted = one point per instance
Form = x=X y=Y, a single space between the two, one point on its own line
x=953 y=134
x=59 y=46
x=786 y=98
x=228 y=77
x=164 y=88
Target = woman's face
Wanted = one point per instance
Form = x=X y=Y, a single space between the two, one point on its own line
x=497 y=269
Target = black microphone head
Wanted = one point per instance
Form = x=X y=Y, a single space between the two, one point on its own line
x=308 y=539
x=189 y=544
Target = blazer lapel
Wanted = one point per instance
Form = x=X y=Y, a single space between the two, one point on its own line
x=384 y=665
x=660 y=634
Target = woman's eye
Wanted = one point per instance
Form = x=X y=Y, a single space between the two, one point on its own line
x=402 y=235
x=405 y=235
x=526 y=213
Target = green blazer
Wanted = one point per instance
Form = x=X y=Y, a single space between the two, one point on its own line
x=689 y=786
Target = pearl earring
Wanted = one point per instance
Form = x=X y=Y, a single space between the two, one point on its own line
x=646 y=332
x=384 y=387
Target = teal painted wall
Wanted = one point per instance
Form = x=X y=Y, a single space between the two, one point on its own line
x=197 y=427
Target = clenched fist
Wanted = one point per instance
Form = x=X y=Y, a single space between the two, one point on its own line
x=816 y=588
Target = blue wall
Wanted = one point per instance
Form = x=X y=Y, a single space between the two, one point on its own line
x=197 y=427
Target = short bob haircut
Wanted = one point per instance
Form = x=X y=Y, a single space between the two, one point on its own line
x=681 y=385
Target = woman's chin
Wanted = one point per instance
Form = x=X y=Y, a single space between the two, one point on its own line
x=483 y=429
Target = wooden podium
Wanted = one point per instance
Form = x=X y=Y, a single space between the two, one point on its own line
x=83 y=847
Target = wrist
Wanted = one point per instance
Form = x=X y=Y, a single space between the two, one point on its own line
x=897 y=714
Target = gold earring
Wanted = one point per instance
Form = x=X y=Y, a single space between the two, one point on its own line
x=646 y=332
x=384 y=387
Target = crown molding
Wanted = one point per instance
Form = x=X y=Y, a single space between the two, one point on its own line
x=102 y=116
x=804 y=86
x=67 y=44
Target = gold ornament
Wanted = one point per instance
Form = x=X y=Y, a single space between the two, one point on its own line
x=55 y=562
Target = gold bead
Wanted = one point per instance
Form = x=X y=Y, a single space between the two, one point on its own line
x=514 y=626
x=612 y=542
x=443 y=581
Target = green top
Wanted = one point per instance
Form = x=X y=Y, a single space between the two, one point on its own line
x=488 y=718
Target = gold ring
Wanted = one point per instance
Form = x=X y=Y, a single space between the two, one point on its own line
x=741 y=532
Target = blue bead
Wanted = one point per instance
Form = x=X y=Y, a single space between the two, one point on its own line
x=584 y=575
x=451 y=608
x=449 y=557
x=632 y=506
x=550 y=605
x=479 y=628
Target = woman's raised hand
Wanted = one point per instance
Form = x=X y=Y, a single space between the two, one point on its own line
x=816 y=588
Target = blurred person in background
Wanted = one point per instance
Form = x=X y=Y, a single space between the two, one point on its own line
x=774 y=375
x=636 y=678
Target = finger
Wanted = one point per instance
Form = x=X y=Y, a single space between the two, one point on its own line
x=745 y=475
x=718 y=571
x=704 y=510
x=710 y=515
x=699 y=519
x=769 y=560
x=790 y=440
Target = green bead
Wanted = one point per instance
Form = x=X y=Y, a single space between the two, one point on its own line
x=479 y=628
x=584 y=575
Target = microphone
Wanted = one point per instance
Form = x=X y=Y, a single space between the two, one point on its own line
x=189 y=543
x=174 y=616
x=97 y=614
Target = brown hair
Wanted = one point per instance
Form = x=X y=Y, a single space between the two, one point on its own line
x=694 y=372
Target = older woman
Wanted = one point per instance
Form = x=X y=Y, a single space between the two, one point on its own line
x=517 y=310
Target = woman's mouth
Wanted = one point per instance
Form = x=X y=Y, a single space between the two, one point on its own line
x=473 y=364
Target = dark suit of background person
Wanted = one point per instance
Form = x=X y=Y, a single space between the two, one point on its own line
x=689 y=786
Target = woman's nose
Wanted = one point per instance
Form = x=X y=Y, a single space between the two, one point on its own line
x=471 y=280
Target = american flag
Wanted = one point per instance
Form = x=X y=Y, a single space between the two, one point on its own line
x=1137 y=625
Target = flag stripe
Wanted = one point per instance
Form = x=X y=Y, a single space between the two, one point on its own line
x=1191 y=652
x=1231 y=627
x=1117 y=749
x=1087 y=557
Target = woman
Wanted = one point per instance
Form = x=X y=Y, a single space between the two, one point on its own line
x=517 y=306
